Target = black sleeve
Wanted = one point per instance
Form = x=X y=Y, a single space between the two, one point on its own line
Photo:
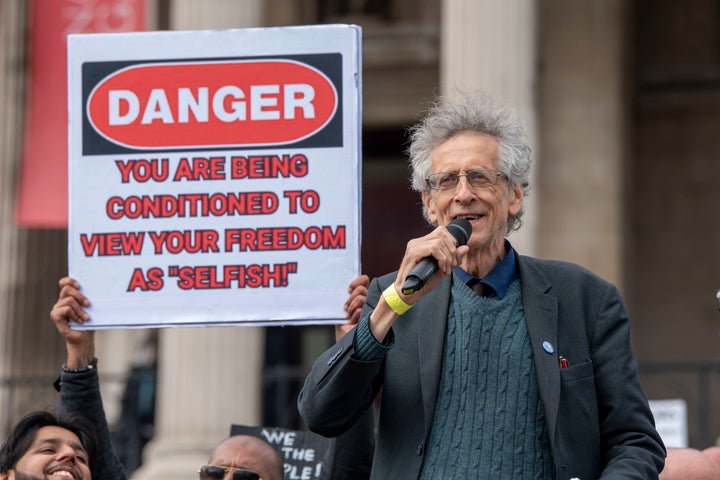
x=80 y=395
x=354 y=449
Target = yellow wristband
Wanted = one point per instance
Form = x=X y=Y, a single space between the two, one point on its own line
x=394 y=301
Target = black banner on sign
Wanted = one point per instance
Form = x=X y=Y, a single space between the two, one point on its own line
x=307 y=456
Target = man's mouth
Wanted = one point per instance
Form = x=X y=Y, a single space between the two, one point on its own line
x=65 y=472
x=469 y=218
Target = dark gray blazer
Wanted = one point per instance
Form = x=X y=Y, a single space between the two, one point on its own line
x=598 y=418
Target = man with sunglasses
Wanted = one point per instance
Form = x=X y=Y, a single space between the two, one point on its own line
x=243 y=457
x=497 y=365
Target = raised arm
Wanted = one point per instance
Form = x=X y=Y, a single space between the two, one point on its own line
x=79 y=384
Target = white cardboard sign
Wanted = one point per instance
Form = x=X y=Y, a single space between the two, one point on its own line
x=671 y=421
x=214 y=176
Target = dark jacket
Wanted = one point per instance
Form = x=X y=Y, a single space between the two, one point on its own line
x=599 y=422
x=80 y=394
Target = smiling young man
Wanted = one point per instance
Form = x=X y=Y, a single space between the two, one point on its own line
x=43 y=446
x=501 y=365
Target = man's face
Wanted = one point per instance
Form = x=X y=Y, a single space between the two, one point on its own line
x=55 y=454
x=245 y=453
x=487 y=208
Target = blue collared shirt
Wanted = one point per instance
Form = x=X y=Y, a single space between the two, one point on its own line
x=500 y=277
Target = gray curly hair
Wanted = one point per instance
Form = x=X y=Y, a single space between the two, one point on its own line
x=479 y=113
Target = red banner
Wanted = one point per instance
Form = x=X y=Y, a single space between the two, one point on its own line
x=43 y=194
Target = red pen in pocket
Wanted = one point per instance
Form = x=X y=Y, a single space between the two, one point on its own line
x=562 y=361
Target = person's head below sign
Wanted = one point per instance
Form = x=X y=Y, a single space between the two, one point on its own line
x=43 y=446
x=243 y=457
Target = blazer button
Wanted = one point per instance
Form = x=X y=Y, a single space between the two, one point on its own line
x=419 y=449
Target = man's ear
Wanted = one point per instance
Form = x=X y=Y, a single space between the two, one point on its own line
x=9 y=475
x=428 y=203
x=516 y=199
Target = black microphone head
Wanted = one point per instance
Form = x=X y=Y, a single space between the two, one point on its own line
x=461 y=229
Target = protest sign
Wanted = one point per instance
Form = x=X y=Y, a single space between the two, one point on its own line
x=671 y=421
x=306 y=455
x=214 y=176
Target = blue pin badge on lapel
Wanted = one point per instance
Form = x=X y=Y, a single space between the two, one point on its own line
x=548 y=347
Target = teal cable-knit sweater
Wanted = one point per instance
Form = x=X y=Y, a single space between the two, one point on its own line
x=489 y=421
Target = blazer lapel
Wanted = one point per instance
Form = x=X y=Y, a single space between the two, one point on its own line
x=432 y=319
x=541 y=316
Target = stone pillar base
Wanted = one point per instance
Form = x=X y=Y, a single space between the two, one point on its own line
x=175 y=458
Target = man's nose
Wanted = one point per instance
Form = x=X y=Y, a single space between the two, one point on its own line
x=66 y=452
x=463 y=187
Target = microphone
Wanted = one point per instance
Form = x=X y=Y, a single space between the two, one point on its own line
x=459 y=228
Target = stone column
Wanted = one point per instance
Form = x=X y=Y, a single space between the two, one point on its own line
x=192 y=15
x=583 y=124
x=11 y=18
x=490 y=45
x=209 y=378
x=30 y=349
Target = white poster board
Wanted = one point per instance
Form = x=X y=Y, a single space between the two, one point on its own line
x=671 y=421
x=214 y=176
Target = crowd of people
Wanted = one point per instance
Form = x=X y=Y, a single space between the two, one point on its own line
x=499 y=365
x=76 y=439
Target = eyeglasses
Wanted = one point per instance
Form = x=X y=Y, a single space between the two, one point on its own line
x=476 y=178
x=216 y=472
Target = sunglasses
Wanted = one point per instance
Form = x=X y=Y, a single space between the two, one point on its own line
x=216 y=472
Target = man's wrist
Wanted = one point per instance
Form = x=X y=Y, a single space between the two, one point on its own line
x=80 y=353
x=77 y=365
x=393 y=300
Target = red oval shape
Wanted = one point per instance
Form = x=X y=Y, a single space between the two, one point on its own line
x=212 y=104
